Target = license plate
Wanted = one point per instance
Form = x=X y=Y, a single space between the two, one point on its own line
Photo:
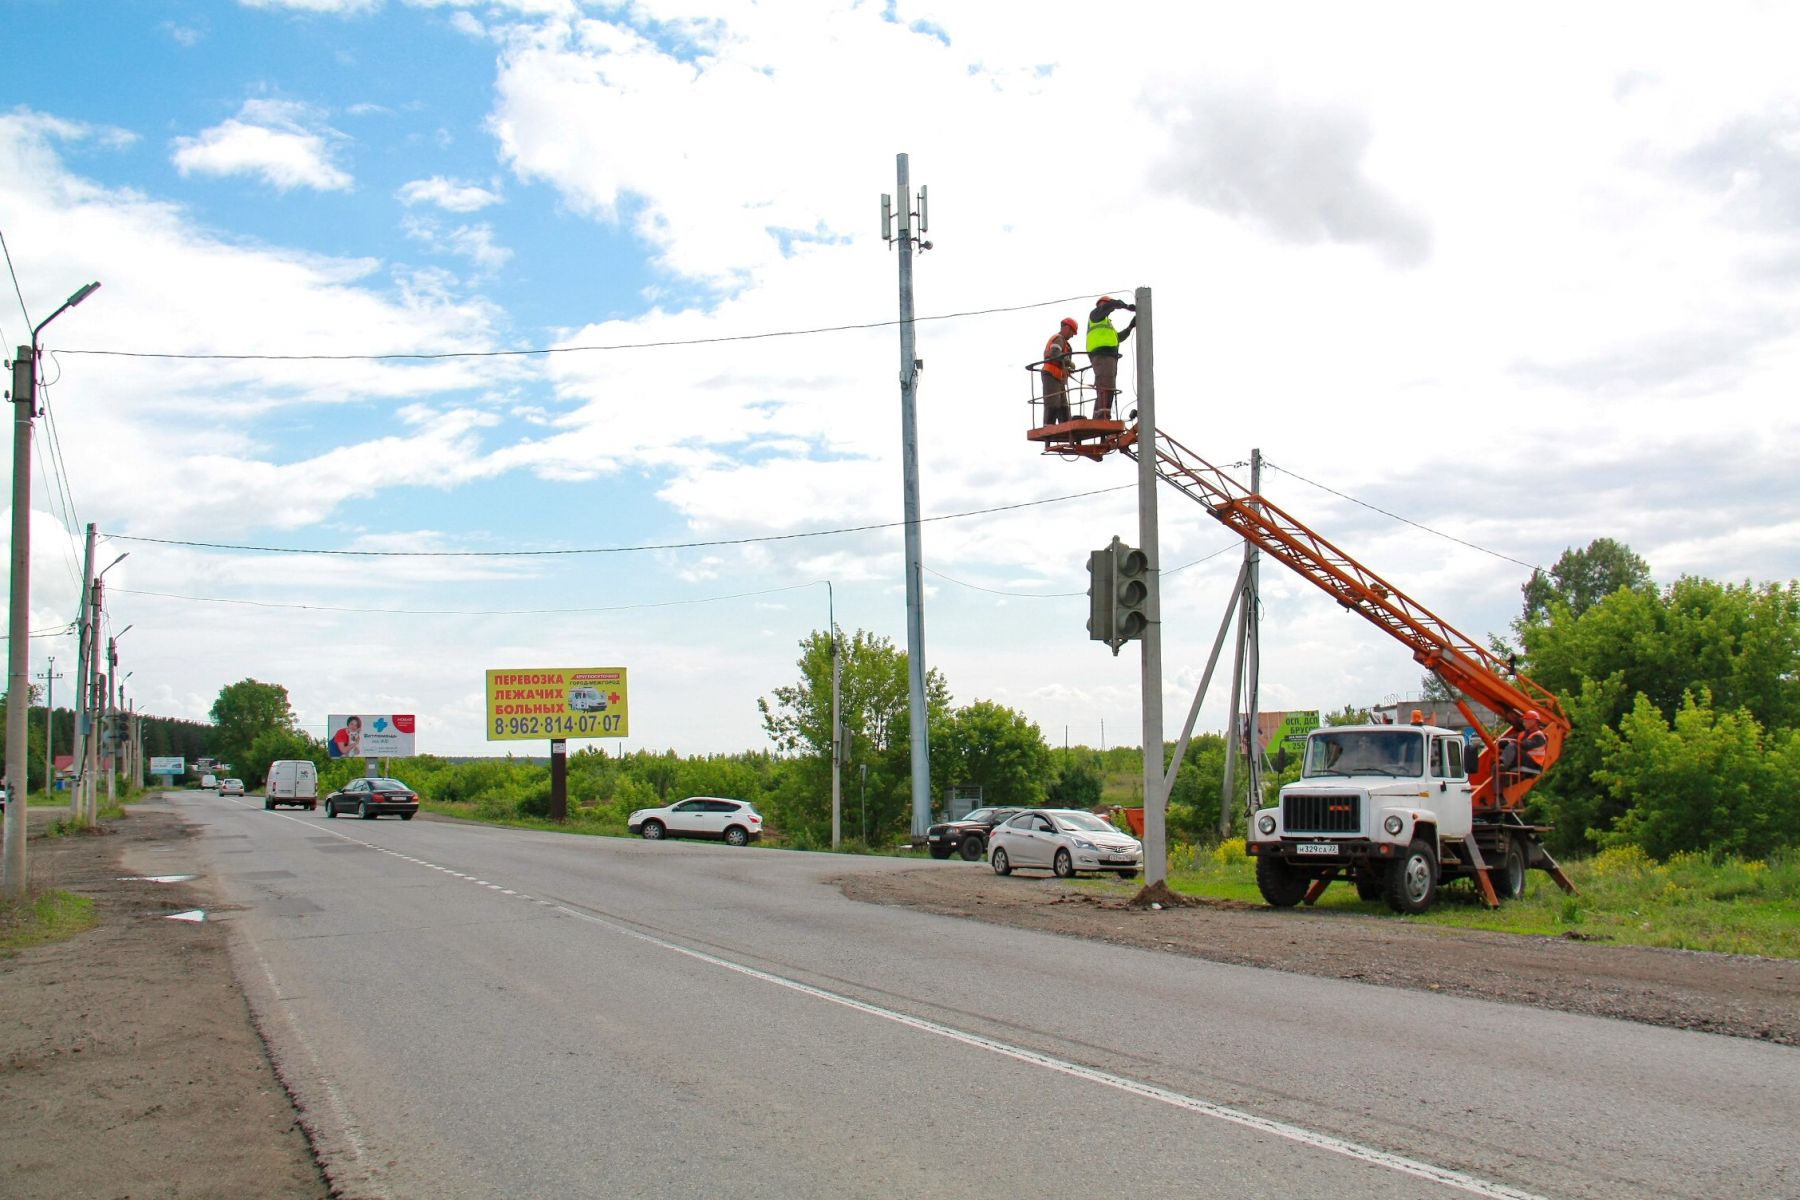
x=1316 y=848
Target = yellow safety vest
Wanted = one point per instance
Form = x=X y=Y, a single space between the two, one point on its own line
x=1101 y=335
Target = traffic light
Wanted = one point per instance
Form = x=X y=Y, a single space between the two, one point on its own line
x=1118 y=594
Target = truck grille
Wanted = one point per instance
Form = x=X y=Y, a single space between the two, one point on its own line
x=1321 y=814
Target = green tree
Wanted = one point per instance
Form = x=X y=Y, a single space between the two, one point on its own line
x=1349 y=715
x=245 y=710
x=1710 y=780
x=1583 y=578
x=996 y=749
x=874 y=704
x=273 y=745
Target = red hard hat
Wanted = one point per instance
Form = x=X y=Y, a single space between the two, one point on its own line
x=1104 y=300
x=1531 y=714
x=1070 y=324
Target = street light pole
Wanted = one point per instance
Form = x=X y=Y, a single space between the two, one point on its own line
x=18 y=651
x=109 y=723
x=90 y=770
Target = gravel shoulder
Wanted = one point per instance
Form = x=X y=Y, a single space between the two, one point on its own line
x=130 y=1065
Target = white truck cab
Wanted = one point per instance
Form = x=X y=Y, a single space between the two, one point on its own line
x=1389 y=806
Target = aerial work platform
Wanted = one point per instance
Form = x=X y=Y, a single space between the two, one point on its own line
x=1070 y=429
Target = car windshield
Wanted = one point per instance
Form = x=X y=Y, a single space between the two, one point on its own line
x=388 y=785
x=1394 y=752
x=1078 y=821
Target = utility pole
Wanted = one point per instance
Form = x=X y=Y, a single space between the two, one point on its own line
x=1156 y=792
x=50 y=678
x=910 y=365
x=18 y=651
x=1245 y=669
x=85 y=641
x=837 y=728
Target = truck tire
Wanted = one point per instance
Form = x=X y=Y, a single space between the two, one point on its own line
x=1412 y=881
x=1509 y=877
x=1281 y=884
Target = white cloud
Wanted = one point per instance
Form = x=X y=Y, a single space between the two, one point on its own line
x=473 y=242
x=335 y=7
x=448 y=194
x=285 y=143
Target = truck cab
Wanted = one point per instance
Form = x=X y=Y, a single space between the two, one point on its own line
x=1389 y=806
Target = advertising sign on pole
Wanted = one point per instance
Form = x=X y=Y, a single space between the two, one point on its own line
x=369 y=735
x=557 y=702
x=167 y=766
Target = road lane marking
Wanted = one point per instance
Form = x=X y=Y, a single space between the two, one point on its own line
x=1388 y=1160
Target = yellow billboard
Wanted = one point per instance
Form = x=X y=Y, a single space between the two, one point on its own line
x=557 y=702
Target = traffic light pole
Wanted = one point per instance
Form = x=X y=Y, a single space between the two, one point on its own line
x=1156 y=793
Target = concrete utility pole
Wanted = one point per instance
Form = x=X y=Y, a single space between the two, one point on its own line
x=1244 y=672
x=910 y=365
x=18 y=651
x=1156 y=792
x=837 y=725
x=50 y=678
x=84 y=641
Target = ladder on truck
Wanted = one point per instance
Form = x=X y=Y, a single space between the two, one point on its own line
x=1468 y=668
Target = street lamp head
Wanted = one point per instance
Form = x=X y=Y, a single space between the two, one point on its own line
x=115 y=562
x=86 y=291
x=121 y=633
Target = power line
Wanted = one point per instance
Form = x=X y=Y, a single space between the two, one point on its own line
x=583 y=550
x=548 y=350
x=17 y=291
x=1450 y=537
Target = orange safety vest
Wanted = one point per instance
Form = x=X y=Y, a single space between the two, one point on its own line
x=1536 y=745
x=1056 y=357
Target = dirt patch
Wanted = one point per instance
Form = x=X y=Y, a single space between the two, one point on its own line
x=1719 y=993
x=128 y=1063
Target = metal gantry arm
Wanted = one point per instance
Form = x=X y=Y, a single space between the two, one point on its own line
x=1463 y=664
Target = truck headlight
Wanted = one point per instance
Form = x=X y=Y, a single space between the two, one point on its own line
x=1393 y=825
x=1266 y=824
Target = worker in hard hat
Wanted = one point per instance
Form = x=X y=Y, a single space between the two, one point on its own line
x=1103 y=342
x=1534 y=746
x=1058 y=365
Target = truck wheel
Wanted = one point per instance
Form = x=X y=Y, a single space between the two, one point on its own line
x=1509 y=880
x=1281 y=885
x=972 y=849
x=1412 y=881
x=1369 y=884
x=941 y=851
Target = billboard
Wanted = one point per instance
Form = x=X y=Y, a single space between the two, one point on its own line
x=167 y=766
x=557 y=702
x=1287 y=729
x=369 y=735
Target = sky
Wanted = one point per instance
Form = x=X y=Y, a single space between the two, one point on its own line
x=607 y=283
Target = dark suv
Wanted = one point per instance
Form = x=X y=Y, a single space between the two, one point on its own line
x=967 y=836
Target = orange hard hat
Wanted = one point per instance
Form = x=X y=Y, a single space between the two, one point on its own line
x=1531 y=714
x=1104 y=300
x=1070 y=324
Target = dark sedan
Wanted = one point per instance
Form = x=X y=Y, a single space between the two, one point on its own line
x=967 y=836
x=371 y=798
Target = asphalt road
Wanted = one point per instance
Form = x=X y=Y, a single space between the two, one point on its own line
x=468 y=1011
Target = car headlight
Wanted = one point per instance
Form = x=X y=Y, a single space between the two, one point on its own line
x=1393 y=824
x=1083 y=844
x=1266 y=824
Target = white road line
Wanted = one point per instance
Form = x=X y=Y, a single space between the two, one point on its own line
x=1388 y=1160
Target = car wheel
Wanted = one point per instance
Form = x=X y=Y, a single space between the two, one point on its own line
x=362 y=810
x=737 y=836
x=972 y=848
x=331 y=810
x=1128 y=874
x=1063 y=865
x=407 y=816
x=653 y=830
x=941 y=851
x=1002 y=864
x=1282 y=885
x=1412 y=881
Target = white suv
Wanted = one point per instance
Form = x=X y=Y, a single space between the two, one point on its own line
x=733 y=822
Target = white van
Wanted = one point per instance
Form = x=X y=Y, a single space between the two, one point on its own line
x=586 y=699
x=292 y=781
x=209 y=783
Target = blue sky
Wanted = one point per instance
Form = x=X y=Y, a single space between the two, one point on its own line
x=1525 y=276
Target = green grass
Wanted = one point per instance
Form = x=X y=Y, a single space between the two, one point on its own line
x=47 y=917
x=1691 y=902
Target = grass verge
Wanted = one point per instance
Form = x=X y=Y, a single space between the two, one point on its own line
x=48 y=916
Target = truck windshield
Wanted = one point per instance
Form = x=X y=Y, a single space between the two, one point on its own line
x=1393 y=752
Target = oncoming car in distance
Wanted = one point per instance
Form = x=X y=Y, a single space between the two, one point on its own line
x=734 y=822
x=371 y=798
x=1063 y=841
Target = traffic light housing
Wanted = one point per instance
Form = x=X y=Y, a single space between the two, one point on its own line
x=1118 y=594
